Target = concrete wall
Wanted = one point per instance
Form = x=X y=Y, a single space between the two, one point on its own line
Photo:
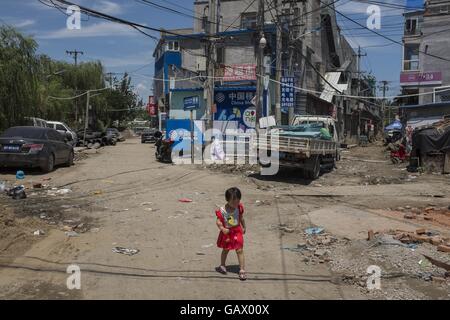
x=435 y=43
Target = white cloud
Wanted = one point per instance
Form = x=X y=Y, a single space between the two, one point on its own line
x=101 y=29
x=143 y=58
x=25 y=23
x=141 y=87
x=19 y=23
x=108 y=7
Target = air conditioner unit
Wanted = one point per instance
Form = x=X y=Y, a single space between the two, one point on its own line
x=201 y=64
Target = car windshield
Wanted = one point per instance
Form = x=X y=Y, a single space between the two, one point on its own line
x=23 y=132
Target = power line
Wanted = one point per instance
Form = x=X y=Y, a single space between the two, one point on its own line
x=381 y=35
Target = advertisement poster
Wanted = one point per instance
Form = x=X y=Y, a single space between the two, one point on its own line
x=236 y=105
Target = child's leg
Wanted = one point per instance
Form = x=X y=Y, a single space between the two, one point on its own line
x=223 y=257
x=240 y=255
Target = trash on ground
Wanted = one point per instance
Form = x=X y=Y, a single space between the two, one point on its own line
x=17 y=193
x=200 y=253
x=316 y=230
x=185 y=200
x=207 y=245
x=146 y=203
x=38 y=233
x=126 y=251
x=55 y=191
x=287 y=229
x=37 y=185
x=20 y=175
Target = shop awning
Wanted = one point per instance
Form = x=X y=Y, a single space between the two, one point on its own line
x=330 y=90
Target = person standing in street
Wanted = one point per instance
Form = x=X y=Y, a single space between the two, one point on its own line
x=231 y=223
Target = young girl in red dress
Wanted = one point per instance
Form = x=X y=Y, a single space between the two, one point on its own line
x=231 y=224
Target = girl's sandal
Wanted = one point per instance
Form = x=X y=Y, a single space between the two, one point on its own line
x=221 y=270
x=242 y=275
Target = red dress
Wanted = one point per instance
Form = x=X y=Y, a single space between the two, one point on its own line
x=234 y=240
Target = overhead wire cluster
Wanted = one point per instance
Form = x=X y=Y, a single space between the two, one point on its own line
x=59 y=4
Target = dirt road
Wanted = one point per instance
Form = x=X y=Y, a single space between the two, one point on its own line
x=125 y=198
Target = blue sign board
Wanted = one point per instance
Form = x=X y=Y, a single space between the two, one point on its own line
x=287 y=93
x=180 y=132
x=235 y=104
x=191 y=103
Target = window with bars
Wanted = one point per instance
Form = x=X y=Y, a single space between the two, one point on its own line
x=248 y=20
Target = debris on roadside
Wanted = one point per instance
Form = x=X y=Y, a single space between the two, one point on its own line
x=263 y=203
x=126 y=251
x=438 y=263
x=314 y=230
x=421 y=236
x=39 y=233
x=71 y=234
x=186 y=200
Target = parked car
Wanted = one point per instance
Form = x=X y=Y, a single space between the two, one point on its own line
x=116 y=133
x=139 y=130
x=35 y=147
x=35 y=122
x=149 y=135
x=63 y=128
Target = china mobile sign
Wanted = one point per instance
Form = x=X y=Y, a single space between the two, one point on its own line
x=240 y=72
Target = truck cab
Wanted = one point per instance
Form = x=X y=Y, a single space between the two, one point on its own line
x=327 y=122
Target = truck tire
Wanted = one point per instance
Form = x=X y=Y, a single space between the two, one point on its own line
x=314 y=173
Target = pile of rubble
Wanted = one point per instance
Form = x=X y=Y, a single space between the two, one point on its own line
x=431 y=213
x=316 y=247
x=422 y=236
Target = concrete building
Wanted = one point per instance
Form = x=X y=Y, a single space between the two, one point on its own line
x=314 y=52
x=426 y=38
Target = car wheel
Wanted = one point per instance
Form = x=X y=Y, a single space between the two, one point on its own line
x=70 y=160
x=49 y=166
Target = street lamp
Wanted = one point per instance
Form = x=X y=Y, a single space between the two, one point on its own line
x=260 y=83
x=262 y=42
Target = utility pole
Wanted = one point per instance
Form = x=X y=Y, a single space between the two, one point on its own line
x=211 y=58
x=385 y=88
x=75 y=54
x=359 y=55
x=259 y=64
x=279 y=64
x=291 y=52
x=86 y=120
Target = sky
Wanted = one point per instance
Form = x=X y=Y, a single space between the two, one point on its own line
x=121 y=48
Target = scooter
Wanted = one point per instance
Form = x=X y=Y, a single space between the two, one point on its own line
x=400 y=155
x=163 y=151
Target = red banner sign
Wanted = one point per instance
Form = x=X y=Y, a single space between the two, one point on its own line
x=240 y=72
x=151 y=106
x=420 y=78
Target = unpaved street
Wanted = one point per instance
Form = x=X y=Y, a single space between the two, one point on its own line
x=124 y=198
